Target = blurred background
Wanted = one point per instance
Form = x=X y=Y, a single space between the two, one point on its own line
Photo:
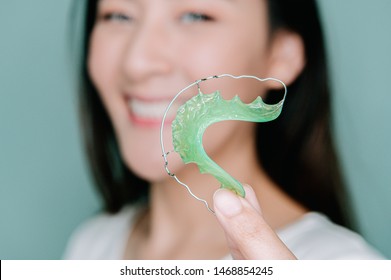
x=45 y=189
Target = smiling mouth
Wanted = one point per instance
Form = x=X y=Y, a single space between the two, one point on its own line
x=150 y=112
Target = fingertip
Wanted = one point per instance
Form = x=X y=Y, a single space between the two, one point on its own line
x=227 y=203
x=248 y=189
x=251 y=197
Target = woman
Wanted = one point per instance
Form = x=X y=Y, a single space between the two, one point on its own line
x=138 y=55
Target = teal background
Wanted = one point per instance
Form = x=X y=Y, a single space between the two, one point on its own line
x=45 y=190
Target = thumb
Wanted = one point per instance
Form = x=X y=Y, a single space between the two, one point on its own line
x=248 y=235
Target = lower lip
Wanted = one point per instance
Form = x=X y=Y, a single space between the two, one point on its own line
x=150 y=123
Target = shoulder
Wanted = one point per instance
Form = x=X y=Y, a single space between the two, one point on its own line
x=314 y=236
x=101 y=237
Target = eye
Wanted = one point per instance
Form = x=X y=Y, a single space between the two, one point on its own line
x=195 y=17
x=116 y=17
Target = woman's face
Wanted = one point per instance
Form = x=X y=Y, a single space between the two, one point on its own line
x=143 y=52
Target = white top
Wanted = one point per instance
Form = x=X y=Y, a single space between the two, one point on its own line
x=313 y=237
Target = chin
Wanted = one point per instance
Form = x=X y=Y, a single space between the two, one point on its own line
x=153 y=170
x=143 y=156
x=151 y=176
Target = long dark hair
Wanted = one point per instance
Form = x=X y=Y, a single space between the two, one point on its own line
x=296 y=150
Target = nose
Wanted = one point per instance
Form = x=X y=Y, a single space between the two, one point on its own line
x=148 y=51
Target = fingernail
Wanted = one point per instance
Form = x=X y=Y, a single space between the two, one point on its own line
x=227 y=203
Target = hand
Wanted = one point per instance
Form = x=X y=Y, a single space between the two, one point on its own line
x=248 y=235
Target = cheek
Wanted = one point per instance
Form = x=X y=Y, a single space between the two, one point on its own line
x=104 y=55
x=229 y=54
x=95 y=60
x=240 y=55
x=103 y=68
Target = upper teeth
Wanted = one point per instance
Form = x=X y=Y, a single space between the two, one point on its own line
x=149 y=109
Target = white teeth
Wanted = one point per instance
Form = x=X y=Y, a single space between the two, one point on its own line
x=149 y=109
